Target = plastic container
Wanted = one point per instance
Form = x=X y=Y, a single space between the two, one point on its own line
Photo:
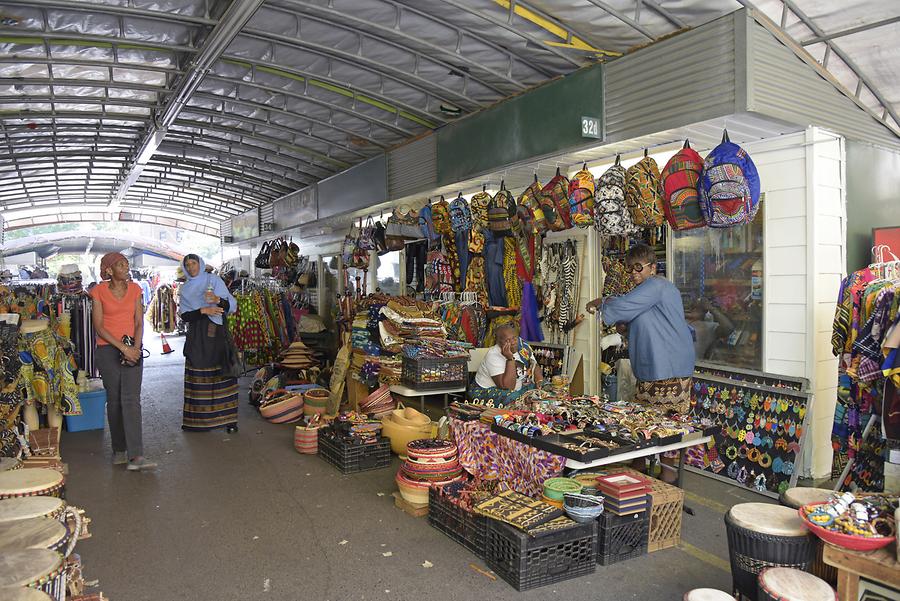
x=528 y=562
x=435 y=374
x=351 y=458
x=467 y=528
x=622 y=537
x=93 y=412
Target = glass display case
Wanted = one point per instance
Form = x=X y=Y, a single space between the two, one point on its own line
x=720 y=275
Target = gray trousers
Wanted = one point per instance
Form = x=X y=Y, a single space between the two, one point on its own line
x=123 y=400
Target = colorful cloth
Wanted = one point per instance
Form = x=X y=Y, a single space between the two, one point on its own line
x=672 y=394
x=210 y=400
x=46 y=371
x=489 y=456
x=510 y=273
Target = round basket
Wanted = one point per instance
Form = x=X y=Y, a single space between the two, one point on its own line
x=555 y=488
x=428 y=448
x=402 y=435
x=282 y=409
x=317 y=397
x=848 y=541
x=306 y=440
x=554 y=502
x=407 y=416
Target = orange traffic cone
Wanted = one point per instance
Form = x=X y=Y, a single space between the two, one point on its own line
x=166 y=348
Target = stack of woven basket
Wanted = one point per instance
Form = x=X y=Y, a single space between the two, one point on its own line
x=429 y=462
x=379 y=403
x=405 y=424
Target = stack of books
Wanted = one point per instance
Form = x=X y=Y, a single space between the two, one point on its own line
x=625 y=494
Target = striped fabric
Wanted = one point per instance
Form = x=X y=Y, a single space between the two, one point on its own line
x=210 y=401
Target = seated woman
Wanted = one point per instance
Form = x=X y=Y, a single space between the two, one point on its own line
x=508 y=370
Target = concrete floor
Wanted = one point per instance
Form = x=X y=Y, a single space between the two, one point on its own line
x=244 y=517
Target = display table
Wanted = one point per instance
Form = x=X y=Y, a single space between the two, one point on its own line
x=421 y=394
x=879 y=566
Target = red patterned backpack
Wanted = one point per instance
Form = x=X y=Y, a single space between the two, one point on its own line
x=681 y=198
x=555 y=203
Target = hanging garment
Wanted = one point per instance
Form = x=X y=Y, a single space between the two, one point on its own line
x=511 y=278
x=493 y=262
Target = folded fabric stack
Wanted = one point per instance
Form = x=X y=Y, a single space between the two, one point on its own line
x=625 y=494
x=69 y=279
x=429 y=462
x=526 y=514
x=298 y=356
x=436 y=348
x=399 y=327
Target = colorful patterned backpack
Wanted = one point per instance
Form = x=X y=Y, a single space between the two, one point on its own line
x=500 y=212
x=581 y=197
x=438 y=273
x=681 y=199
x=729 y=186
x=479 y=208
x=555 y=203
x=460 y=215
x=643 y=193
x=529 y=210
x=440 y=217
x=611 y=216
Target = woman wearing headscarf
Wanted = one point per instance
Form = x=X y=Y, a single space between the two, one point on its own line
x=118 y=318
x=210 y=398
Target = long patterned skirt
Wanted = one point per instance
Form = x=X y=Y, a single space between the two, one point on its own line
x=210 y=400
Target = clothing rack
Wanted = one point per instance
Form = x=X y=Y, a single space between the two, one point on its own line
x=886 y=265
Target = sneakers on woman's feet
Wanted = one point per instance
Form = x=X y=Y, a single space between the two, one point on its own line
x=120 y=458
x=140 y=464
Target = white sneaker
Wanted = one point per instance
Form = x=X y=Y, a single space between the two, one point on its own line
x=120 y=458
x=140 y=464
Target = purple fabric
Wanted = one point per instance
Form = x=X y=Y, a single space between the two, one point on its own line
x=530 y=326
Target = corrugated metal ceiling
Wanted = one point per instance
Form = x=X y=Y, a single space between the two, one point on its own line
x=200 y=109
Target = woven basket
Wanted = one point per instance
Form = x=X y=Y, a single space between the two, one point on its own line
x=306 y=439
x=316 y=401
x=282 y=409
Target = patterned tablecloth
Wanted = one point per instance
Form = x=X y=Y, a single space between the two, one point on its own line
x=490 y=456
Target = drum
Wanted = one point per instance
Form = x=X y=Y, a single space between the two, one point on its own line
x=31 y=482
x=23 y=594
x=36 y=533
x=39 y=569
x=9 y=463
x=762 y=535
x=23 y=508
x=707 y=594
x=788 y=584
x=797 y=497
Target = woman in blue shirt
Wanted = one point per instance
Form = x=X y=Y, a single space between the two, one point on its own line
x=660 y=345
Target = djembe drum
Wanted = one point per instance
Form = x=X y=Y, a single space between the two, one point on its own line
x=707 y=594
x=36 y=533
x=760 y=536
x=23 y=594
x=31 y=482
x=39 y=569
x=788 y=584
x=9 y=464
x=797 y=497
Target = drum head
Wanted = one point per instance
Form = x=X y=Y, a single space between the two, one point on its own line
x=23 y=508
x=28 y=480
x=795 y=585
x=21 y=568
x=23 y=594
x=707 y=594
x=36 y=533
x=799 y=496
x=9 y=463
x=775 y=520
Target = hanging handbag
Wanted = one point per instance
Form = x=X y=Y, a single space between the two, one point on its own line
x=232 y=365
x=262 y=259
x=292 y=254
x=379 y=235
x=366 y=239
x=278 y=254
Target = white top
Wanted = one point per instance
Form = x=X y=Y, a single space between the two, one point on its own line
x=21 y=568
x=28 y=480
x=23 y=594
x=707 y=594
x=494 y=364
x=765 y=518
x=23 y=508
x=799 y=496
x=34 y=533
x=795 y=585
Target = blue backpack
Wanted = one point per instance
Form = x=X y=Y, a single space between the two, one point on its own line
x=729 y=186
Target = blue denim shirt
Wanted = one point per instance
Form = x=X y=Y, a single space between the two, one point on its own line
x=660 y=345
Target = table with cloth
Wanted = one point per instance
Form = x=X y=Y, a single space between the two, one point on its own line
x=490 y=456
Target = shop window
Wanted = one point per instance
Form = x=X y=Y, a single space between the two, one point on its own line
x=388 y=275
x=722 y=270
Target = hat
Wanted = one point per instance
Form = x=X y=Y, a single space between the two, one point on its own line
x=69 y=269
x=109 y=260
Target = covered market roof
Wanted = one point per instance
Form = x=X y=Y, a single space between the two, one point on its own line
x=192 y=111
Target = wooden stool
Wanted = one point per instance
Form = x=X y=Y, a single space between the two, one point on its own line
x=797 y=497
x=788 y=584
x=707 y=594
x=761 y=535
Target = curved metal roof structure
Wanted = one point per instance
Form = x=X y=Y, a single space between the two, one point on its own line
x=87 y=241
x=187 y=112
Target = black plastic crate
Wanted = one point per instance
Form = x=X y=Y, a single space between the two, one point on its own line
x=622 y=537
x=528 y=562
x=466 y=528
x=353 y=458
x=435 y=374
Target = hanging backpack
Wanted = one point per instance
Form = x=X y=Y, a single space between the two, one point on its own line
x=262 y=259
x=643 y=193
x=479 y=208
x=555 y=203
x=440 y=217
x=438 y=273
x=460 y=215
x=528 y=209
x=611 y=216
x=500 y=211
x=681 y=198
x=426 y=225
x=581 y=198
x=729 y=186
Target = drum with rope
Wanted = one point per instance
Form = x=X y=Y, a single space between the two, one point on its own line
x=789 y=584
x=21 y=593
x=39 y=569
x=31 y=482
x=797 y=497
x=762 y=535
x=36 y=533
x=9 y=464
x=707 y=594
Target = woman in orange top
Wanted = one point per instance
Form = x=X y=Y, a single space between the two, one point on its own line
x=118 y=318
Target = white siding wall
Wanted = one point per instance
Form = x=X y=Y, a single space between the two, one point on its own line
x=803 y=179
